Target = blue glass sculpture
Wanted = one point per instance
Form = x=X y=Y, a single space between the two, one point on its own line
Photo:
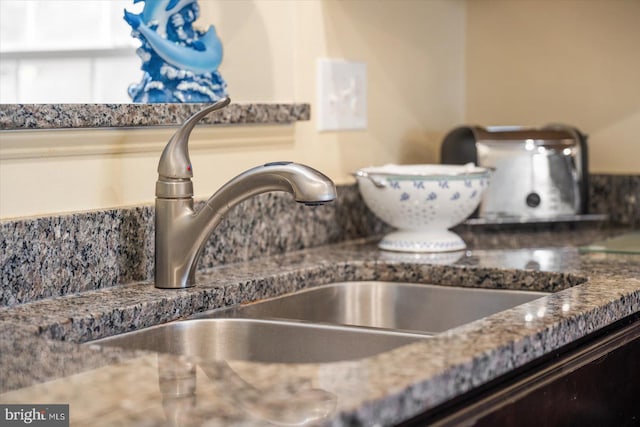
x=180 y=63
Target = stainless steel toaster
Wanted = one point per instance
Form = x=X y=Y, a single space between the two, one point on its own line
x=539 y=173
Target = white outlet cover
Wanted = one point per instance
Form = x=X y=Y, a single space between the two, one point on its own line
x=342 y=95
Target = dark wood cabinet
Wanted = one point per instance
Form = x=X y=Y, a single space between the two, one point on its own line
x=595 y=382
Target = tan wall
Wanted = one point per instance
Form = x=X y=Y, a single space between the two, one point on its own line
x=414 y=52
x=431 y=65
x=259 y=45
x=572 y=61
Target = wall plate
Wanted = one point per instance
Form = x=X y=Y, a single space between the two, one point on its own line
x=342 y=95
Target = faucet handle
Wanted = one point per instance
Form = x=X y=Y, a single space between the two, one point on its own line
x=175 y=162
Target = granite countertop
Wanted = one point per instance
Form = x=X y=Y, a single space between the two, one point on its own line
x=64 y=116
x=41 y=362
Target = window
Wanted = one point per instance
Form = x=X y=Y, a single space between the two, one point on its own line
x=66 y=51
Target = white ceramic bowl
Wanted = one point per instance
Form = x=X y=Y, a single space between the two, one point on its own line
x=422 y=202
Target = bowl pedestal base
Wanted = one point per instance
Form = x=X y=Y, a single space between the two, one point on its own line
x=422 y=241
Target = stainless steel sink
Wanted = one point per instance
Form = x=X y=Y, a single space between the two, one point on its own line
x=270 y=341
x=426 y=309
x=339 y=321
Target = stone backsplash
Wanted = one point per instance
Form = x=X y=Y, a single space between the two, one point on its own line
x=616 y=195
x=64 y=254
x=58 y=255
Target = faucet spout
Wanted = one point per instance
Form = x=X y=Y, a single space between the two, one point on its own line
x=181 y=233
x=307 y=185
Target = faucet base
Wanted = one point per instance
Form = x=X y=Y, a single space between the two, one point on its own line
x=174 y=287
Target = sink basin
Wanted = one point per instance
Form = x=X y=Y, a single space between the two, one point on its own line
x=269 y=341
x=425 y=309
x=329 y=323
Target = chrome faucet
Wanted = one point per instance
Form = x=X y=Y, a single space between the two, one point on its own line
x=181 y=233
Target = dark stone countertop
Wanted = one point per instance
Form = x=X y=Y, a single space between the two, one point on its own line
x=65 y=116
x=41 y=361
